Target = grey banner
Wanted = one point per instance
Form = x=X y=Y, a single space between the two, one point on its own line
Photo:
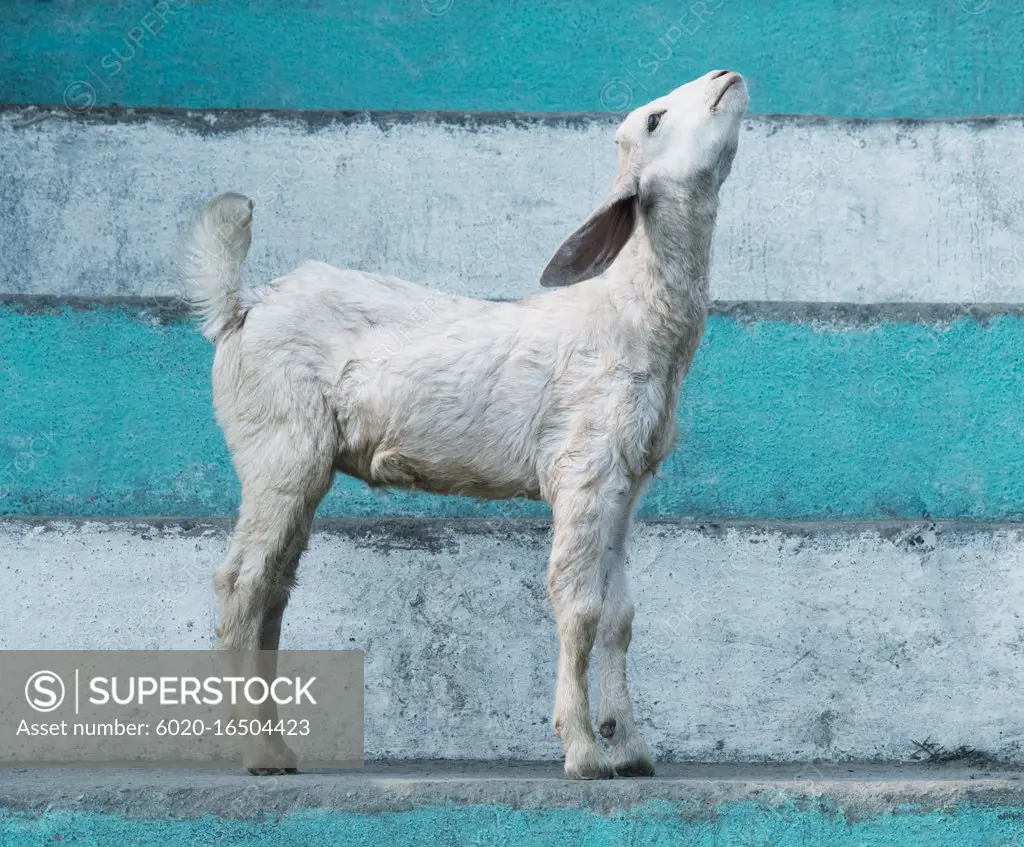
x=269 y=711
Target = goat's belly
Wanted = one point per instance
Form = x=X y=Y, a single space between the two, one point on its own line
x=391 y=467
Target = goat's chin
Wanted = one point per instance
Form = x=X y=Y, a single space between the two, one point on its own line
x=734 y=102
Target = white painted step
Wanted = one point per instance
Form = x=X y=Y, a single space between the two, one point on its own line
x=817 y=209
x=785 y=642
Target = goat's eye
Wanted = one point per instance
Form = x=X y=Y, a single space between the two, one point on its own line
x=653 y=120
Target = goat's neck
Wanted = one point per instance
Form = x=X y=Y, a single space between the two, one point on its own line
x=670 y=279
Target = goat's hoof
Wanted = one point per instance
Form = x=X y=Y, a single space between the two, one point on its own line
x=640 y=767
x=269 y=757
x=600 y=771
x=271 y=771
x=633 y=758
x=588 y=764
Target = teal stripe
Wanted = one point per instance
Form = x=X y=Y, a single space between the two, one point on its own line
x=108 y=413
x=652 y=823
x=908 y=58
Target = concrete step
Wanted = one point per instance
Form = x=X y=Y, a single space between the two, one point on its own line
x=437 y=55
x=815 y=209
x=788 y=642
x=519 y=805
x=791 y=411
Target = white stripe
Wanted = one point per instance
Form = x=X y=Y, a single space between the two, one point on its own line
x=801 y=643
x=815 y=210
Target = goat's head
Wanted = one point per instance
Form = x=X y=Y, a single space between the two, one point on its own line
x=683 y=142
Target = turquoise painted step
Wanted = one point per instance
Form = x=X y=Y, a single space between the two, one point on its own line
x=811 y=823
x=913 y=58
x=106 y=411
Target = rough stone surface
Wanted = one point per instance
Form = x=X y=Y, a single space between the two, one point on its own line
x=861 y=790
x=516 y=806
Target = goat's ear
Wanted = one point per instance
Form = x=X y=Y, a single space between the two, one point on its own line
x=593 y=247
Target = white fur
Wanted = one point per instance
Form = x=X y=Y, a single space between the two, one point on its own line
x=569 y=396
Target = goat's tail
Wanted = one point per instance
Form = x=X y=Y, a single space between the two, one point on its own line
x=216 y=243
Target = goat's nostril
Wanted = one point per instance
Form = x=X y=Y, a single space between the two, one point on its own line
x=717 y=74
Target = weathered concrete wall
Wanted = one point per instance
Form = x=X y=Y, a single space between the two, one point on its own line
x=792 y=642
x=788 y=642
x=788 y=412
x=815 y=210
x=920 y=59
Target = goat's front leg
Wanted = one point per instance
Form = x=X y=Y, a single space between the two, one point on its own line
x=576 y=583
x=630 y=755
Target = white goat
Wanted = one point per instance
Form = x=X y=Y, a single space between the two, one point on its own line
x=568 y=396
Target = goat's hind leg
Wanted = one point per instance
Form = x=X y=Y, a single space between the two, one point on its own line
x=255 y=580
